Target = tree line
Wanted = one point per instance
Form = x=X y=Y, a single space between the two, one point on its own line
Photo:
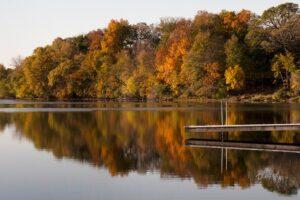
x=211 y=56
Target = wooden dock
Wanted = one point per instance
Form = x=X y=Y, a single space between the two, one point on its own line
x=225 y=143
x=243 y=127
x=273 y=147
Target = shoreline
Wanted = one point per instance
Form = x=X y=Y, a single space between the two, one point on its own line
x=242 y=98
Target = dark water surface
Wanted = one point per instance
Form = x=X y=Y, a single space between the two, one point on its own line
x=82 y=150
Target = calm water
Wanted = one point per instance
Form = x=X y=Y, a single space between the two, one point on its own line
x=137 y=151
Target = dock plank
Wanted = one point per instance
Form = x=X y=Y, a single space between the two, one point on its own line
x=243 y=127
x=244 y=145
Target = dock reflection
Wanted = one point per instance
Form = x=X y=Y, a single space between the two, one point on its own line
x=225 y=141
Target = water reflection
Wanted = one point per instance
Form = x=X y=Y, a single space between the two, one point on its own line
x=152 y=140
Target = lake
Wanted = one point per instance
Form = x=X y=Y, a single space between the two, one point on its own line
x=97 y=150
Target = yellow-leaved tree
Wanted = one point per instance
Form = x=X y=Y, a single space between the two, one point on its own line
x=235 y=78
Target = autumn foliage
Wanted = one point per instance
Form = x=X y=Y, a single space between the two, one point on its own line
x=190 y=58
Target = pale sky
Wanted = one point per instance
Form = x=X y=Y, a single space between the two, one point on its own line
x=27 y=24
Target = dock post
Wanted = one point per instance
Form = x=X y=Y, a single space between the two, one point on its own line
x=222 y=113
x=226 y=157
x=226 y=134
x=222 y=159
x=222 y=119
x=222 y=138
x=226 y=113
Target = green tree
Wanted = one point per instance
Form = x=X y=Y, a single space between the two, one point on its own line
x=282 y=66
x=207 y=49
x=277 y=30
x=141 y=81
x=235 y=52
x=4 y=89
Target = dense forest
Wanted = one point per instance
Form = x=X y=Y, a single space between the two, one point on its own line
x=209 y=56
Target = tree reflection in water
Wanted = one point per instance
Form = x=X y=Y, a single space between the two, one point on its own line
x=147 y=140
